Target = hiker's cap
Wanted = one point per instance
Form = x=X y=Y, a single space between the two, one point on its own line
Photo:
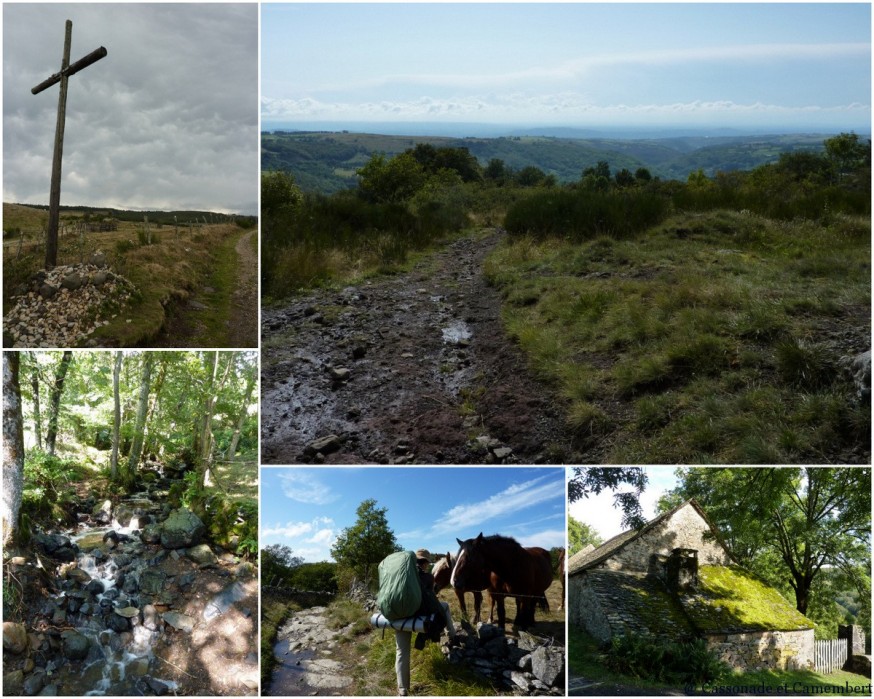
x=423 y=555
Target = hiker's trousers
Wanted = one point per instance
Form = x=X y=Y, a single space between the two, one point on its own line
x=403 y=643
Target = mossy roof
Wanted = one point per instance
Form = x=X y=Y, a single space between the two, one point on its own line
x=731 y=600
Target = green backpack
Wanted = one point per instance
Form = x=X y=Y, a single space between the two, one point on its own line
x=400 y=594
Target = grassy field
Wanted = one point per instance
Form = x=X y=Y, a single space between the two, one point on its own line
x=166 y=267
x=712 y=338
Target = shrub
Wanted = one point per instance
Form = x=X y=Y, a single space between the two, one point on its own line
x=661 y=660
x=584 y=214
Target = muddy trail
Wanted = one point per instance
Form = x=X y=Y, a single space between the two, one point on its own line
x=414 y=368
x=131 y=601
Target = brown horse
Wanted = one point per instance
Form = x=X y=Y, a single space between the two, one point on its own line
x=442 y=573
x=510 y=569
x=561 y=563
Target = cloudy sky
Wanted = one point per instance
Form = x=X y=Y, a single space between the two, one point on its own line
x=600 y=512
x=306 y=508
x=709 y=65
x=168 y=120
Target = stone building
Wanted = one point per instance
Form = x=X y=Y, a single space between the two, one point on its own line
x=675 y=579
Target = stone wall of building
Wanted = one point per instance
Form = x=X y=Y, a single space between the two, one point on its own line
x=684 y=529
x=585 y=610
x=764 y=650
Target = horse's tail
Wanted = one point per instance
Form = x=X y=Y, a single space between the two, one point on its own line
x=543 y=603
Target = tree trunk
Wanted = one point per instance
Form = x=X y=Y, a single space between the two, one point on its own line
x=244 y=411
x=13 y=447
x=34 y=385
x=211 y=364
x=116 y=423
x=149 y=439
x=55 y=401
x=140 y=426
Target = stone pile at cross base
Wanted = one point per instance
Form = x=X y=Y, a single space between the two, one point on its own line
x=63 y=306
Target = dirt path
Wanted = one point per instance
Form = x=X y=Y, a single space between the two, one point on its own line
x=194 y=324
x=243 y=330
x=408 y=369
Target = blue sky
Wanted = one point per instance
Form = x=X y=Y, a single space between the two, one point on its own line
x=599 y=512
x=589 y=64
x=306 y=508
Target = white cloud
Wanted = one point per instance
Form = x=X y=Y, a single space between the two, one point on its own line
x=305 y=487
x=311 y=540
x=550 y=107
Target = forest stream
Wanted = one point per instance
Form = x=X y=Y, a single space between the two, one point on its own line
x=132 y=601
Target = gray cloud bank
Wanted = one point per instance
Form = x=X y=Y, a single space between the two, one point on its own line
x=168 y=120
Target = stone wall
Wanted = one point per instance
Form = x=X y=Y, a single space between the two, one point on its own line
x=684 y=529
x=585 y=611
x=764 y=650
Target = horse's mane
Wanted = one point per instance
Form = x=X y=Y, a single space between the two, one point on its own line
x=503 y=540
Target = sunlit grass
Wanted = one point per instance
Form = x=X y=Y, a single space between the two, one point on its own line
x=645 y=337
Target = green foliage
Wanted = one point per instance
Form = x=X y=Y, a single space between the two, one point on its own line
x=581 y=535
x=279 y=192
x=124 y=246
x=314 y=577
x=362 y=546
x=664 y=661
x=585 y=214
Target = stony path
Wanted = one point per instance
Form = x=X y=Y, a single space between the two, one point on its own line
x=303 y=649
x=407 y=369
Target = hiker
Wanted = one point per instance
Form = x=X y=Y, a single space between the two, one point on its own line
x=430 y=605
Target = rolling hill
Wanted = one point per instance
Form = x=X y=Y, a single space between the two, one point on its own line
x=326 y=161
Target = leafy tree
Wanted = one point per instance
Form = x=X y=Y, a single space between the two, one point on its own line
x=580 y=535
x=790 y=524
x=624 y=178
x=279 y=192
x=280 y=555
x=592 y=480
x=55 y=400
x=642 y=174
x=497 y=171
x=847 y=154
x=13 y=446
x=362 y=546
x=390 y=181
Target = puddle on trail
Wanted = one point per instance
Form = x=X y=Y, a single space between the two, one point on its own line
x=288 y=673
x=456 y=333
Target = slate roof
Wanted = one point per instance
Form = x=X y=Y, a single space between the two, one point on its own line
x=579 y=563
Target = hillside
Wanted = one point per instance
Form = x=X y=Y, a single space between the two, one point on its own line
x=326 y=161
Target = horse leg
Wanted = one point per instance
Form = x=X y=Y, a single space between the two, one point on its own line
x=460 y=595
x=477 y=605
x=502 y=612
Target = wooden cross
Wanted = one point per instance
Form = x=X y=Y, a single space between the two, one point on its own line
x=55 y=195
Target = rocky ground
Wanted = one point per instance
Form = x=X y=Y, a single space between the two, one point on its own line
x=524 y=665
x=304 y=648
x=414 y=368
x=133 y=602
x=62 y=307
